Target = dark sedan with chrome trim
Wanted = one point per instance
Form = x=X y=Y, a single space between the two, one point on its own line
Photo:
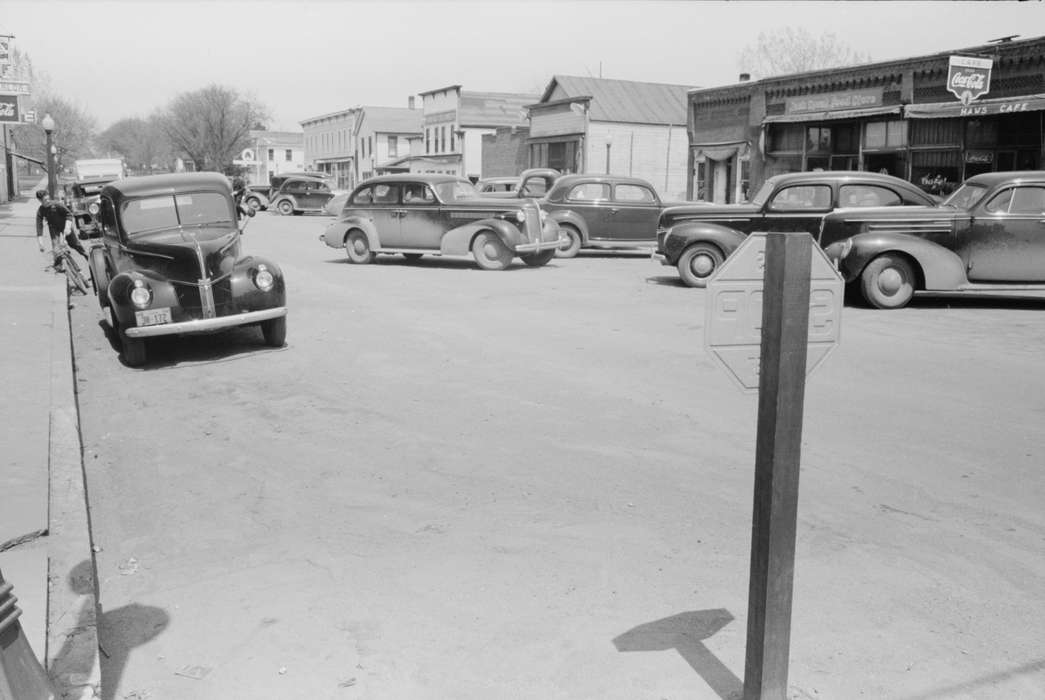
x=696 y=239
x=416 y=215
x=170 y=263
x=988 y=236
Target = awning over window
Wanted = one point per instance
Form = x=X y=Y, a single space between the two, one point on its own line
x=831 y=115
x=977 y=108
x=719 y=151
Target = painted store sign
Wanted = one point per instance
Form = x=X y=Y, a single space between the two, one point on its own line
x=851 y=99
x=969 y=78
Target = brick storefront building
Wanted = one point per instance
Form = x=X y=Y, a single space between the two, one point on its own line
x=895 y=116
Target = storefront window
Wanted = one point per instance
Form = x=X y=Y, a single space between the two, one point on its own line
x=936 y=172
x=981 y=133
x=818 y=140
x=891 y=134
x=785 y=137
x=936 y=132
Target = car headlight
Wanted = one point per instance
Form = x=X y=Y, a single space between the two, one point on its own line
x=263 y=278
x=141 y=295
x=93 y=208
x=520 y=216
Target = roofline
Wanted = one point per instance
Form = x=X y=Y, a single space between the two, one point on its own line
x=563 y=101
x=442 y=89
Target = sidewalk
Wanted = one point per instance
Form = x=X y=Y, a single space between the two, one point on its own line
x=45 y=546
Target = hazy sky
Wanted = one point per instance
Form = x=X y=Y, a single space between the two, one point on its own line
x=304 y=59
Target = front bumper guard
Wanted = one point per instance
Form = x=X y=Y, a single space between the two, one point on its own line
x=541 y=245
x=206 y=325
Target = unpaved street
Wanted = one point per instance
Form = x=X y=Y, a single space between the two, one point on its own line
x=536 y=484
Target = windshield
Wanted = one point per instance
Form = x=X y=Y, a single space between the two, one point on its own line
x=456 y=190
x=965 y=196
x=763 y=194
x=170 y=211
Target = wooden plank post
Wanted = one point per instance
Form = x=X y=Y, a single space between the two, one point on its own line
x=781 y=393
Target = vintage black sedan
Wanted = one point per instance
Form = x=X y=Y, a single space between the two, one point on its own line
x=416 y=215
x=989 y=235
x=170 y=263
x=697 y=238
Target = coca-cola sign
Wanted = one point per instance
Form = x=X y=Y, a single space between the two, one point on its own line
x=969 y=78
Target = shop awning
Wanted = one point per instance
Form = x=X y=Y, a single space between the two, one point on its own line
x=719 y=151
x=978 y=108
x=830 y=115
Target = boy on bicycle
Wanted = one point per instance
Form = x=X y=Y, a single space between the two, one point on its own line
x=59 y=221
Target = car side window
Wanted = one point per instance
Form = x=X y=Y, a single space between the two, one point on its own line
x=801 y=198
x=1000 y=202
x=386 y=194
x=322 y=187
x=589 y=192
x=417 y=193
x=1028 y=200
x=363 y=196
x=867 y=196
x=535 y=187
x=634 y=193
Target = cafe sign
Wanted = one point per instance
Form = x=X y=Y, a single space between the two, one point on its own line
x=969 y=78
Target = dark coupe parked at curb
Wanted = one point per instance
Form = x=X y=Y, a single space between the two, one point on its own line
x=170 y=263
x=697 y=238
x=418 y=215
x=989 y=235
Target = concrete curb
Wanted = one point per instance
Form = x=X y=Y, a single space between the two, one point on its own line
x=73 y=661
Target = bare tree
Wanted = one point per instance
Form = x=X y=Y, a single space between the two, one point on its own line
x=141 y=143
x=72 y=136
x=211 y=126
x=791 y=50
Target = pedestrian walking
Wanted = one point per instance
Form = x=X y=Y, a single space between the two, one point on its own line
x=59 y=222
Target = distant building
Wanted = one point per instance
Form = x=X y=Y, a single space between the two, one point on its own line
x=622 y=127
x=329 y=146
x=506 y=152
x=271 y=153
x=382 y=139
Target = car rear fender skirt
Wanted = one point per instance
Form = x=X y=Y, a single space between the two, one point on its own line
x=939 y=268
x=684 y=235
x=571 y=218
x=458 y=241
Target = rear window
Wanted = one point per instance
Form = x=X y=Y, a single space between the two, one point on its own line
x=167 y=211
x=588 y=192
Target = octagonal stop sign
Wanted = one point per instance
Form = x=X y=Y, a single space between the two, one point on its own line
x=733 y=320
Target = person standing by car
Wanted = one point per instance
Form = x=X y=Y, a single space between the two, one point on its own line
x=239 y=189
x=59 y=222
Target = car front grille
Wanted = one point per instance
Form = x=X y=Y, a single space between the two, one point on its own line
x=533 y=223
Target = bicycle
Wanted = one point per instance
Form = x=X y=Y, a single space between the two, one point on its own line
x=63 y=257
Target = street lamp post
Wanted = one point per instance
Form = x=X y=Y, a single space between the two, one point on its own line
x=48 y=124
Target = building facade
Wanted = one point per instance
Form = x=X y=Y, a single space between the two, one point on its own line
x=271 y=153
x=382 y=139
x=505 y=152
x=329 y=146
x=612 y=126
x=934 y=120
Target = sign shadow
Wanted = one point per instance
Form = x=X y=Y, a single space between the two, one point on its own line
x=685 y=633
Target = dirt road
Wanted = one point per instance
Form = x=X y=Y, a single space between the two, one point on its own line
x=536 y=484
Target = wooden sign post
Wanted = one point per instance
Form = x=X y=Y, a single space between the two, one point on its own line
x=781 y=393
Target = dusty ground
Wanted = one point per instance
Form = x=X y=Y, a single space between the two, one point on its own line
x=536 y=484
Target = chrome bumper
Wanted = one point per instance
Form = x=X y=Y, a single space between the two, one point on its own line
x=205 y=325
x=660 y=257
x=541 y=245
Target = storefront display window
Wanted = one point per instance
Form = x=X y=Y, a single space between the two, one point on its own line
x=936 y=172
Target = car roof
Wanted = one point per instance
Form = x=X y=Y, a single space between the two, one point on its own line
x=169 y=183
x=429 y=178
x=568 y=180
x=991 y=179
x=840 y=176
x=508 y=178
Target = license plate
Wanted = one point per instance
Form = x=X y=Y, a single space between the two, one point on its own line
x=153 y=317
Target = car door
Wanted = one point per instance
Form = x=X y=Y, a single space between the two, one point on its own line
x=1006 y=240
x=591 y=201
x=798 y=207
x=386 y=214
x=318 y=195
x=633 y=214
x=420 y=220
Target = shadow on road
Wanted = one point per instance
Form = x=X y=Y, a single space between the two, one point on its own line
x=685 y=634
x=168 y=352
x=438 y=262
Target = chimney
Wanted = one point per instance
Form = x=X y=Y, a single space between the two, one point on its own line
x=744 y=77
x=410 y=102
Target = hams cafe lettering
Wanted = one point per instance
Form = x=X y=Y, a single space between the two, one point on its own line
x=969 y=78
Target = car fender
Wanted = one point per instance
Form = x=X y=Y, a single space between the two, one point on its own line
x=571 y=218
x=458 y=241
x=334 y=234
x=163 y=294
x=246 y=294
x=287 y=197
x=941 y=268
x=684 y=235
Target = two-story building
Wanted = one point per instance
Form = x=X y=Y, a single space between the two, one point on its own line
x=934 y=120
x=382 y=138
x=622 y=127
x=455 y=121
x=330 y=146
x=271 y=153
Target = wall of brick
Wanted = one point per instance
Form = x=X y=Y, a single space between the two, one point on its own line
x=505 y=152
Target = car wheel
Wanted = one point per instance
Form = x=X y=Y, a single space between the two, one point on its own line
x=254 y=203
x=133 y=350
x=413 y=257
x=490 y=253
x=275 y=331
x=358 y=248
x=888 y=282
x=538 y=259
x=571 y=247
x=99 y=276
x=285 y=207
x=698 y=262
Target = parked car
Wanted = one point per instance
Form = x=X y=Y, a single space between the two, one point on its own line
x=298 y=195
x=417 y=215
x=534 y=182
x=259 y=196
x=81 y=197
x=602 y=211
x=697 y=238
x=989 y=235
x=170 y=263
x=497 y=186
